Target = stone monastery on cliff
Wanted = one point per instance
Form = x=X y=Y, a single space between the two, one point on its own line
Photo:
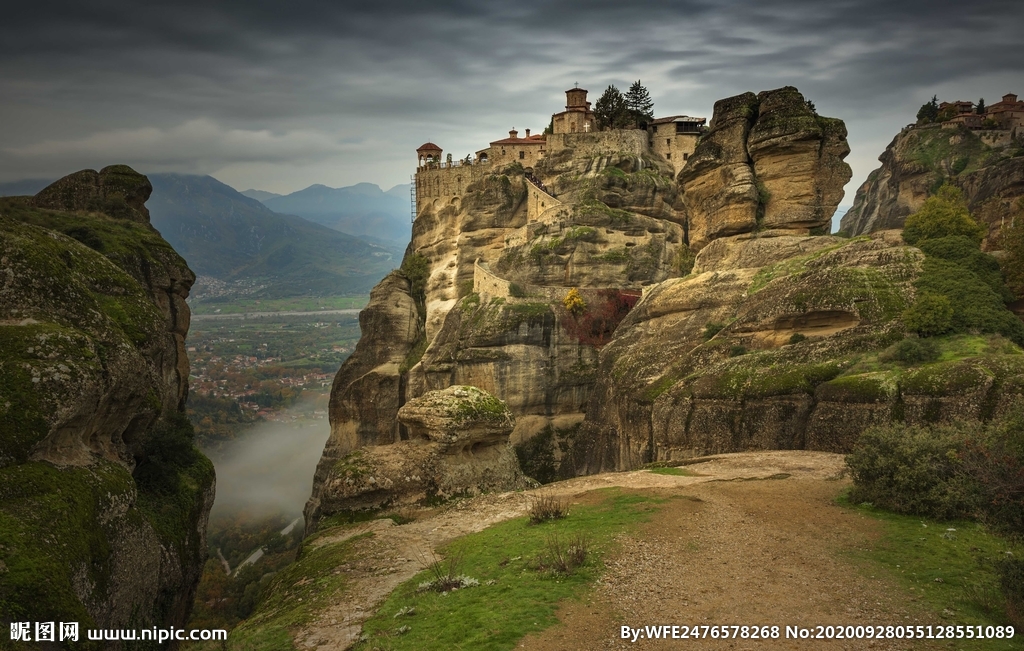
x=440 y=182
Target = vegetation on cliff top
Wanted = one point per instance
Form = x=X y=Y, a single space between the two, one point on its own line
x=960 y=289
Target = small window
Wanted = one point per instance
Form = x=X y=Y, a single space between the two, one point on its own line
x=522 y=155
x=668 y=141
x=685 y=156
x=668 y=155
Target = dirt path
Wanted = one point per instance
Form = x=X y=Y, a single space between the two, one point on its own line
x=753 y=539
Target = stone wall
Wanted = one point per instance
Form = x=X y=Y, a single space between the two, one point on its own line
x=537 y=202
x=487 y=284
x=439 y=187
x=601 y=143
x=526 y=155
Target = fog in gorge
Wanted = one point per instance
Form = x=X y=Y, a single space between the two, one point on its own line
x=269 y=469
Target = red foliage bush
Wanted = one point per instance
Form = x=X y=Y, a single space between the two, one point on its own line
x=605 y=310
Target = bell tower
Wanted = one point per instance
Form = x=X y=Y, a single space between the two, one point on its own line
x=428 y=155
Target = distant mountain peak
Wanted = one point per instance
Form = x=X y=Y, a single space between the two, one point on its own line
x=259 y=195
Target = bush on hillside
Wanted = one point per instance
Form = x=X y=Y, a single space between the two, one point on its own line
x=930 y=315
x=943 y=215
x=962 y=470
x=960 y=288
x=912 y=350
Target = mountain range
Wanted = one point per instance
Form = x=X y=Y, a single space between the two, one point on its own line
x=297 y=246
x=235 y=239
x=362 y=209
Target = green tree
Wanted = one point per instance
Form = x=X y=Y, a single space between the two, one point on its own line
x=929 y=112
x=980 y=108
x=943 y=215
x=639 y=104
x=930 y=315
x=611 y=110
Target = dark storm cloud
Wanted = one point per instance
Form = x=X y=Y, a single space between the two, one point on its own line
x=296 y=93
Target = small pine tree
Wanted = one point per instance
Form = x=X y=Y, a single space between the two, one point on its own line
x=980 y=108
x=610 y=110
x=639 y=104
x=929 y=112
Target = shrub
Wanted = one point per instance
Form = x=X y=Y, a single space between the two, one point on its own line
x=446 y=573
x=737 y=350
x=976 y=306
x=965 y=253
x=547 y=508
x=964 y=470
x=1011 y=579
x=596 y=324
x=565 y=557
x=574 y=303
x=1013 y=244
x=931 y=314
x=911 y=469
x=797 y=338
x=712 y=329
x=942 y=215
x=516 y=290
x=416 y=269
x=912 y=350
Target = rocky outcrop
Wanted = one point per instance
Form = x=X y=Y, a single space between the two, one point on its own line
x=103 y=495
x=575 y=297
x=768 y=163
x=777 y=343
x=457 y=444
x=986 y=165
x=116 y=190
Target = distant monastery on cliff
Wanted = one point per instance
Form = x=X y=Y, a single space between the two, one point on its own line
x=440 y=182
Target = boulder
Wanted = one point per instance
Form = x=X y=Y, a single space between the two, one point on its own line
x=457 y=445
x=116 y=190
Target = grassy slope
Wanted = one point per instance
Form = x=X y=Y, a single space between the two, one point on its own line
x=948 y=566
x=514 y=597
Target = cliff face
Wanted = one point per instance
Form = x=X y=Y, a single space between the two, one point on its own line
x=103 y=496
x=625 y=316
x=768 y=163
x=987 y=165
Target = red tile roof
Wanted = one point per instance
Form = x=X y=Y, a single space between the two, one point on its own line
x=532 y=140
x=428 y=146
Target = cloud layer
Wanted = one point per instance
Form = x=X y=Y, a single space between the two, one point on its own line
x=279 y=96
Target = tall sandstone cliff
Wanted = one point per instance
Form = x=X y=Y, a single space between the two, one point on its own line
x=103 y=496
x=987 y=165
x=710 y=315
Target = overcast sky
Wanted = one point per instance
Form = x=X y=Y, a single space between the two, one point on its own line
x=278 y=96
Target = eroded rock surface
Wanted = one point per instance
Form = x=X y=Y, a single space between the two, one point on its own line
x=920 y=159
x=103 y=494
x=625 y=317
x=769 y=162
x=457 y=444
